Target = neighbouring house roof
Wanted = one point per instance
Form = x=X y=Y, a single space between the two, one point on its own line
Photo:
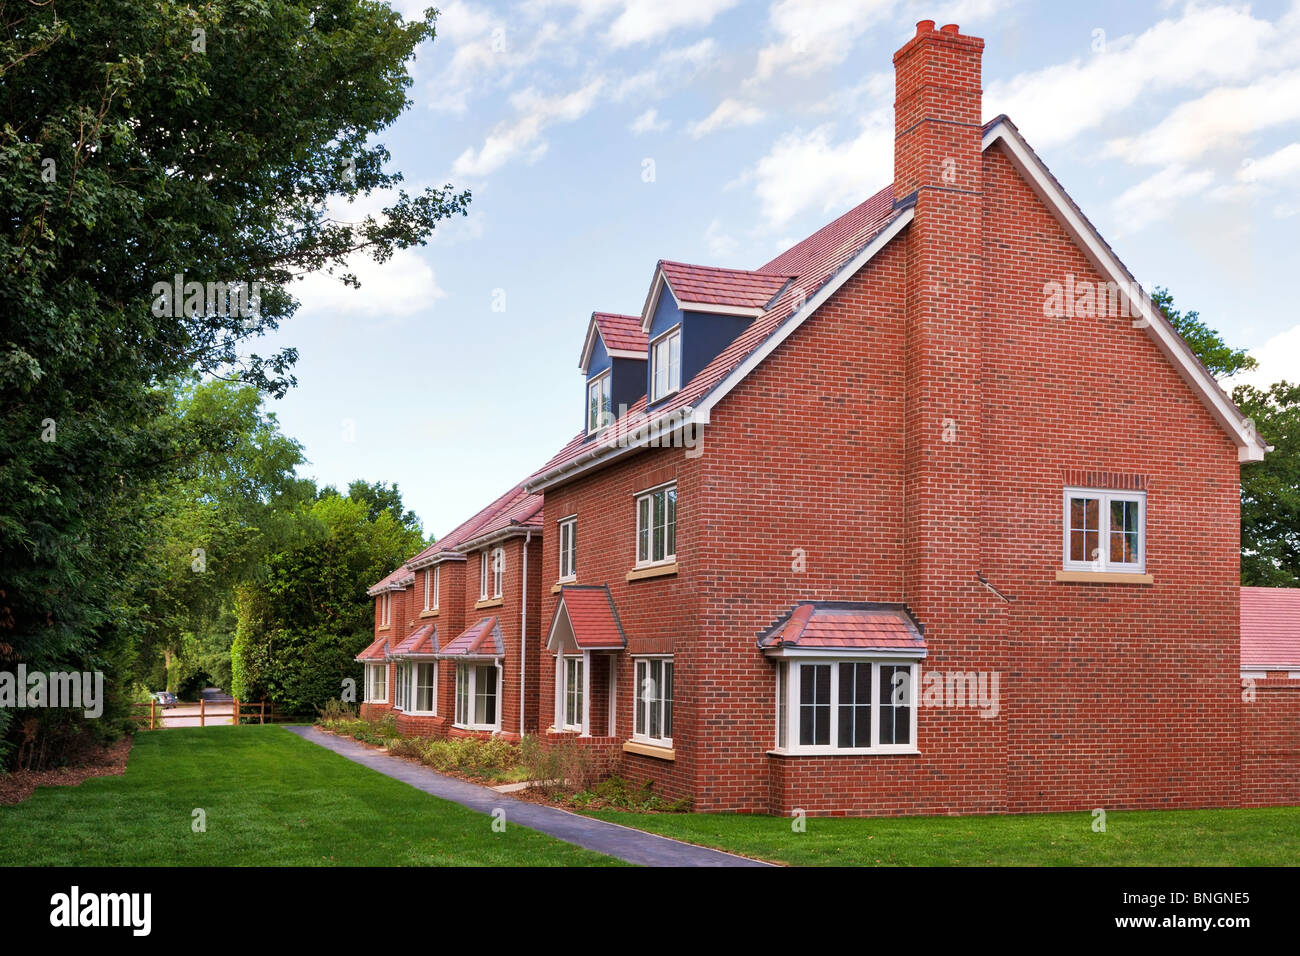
x=1270 y=628
x=445 y=547
x=374 y=654
x=585 y=618
x=422 y=642
x=857 y=626
x=483 y=638
x=816 y=268
x=395 y=581
x=523 y=512
x=622 y=335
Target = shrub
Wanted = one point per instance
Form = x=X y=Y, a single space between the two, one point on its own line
x=563 y=766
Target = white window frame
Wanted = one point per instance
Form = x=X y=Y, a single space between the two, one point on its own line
x=467 y=673
x=370 y=682
x=568 y=539
x=602 y=382
x=401 y=686
x=498 y=570
x=787 y=710
x=437 y=582
x=1102 y=562
x=672 y=383
x=483 y=580
x=641 y=700
x=415 y=688
x=649 y=495
x=386 y=609
x=573 y=690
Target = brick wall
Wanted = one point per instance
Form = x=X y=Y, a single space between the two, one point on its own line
x=1270 y=744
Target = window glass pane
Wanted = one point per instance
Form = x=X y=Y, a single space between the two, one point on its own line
x=670 y=534
x=640 y=692
x=855 y=705
x=643 y=530
x=485 y=695
x=1085 y=526
x=1124 y=532
x=654 y=692
x=782 y=689
x=895 y=699
x=814 y=704
x=675 y=361
x=668 y=698
x=657 y=534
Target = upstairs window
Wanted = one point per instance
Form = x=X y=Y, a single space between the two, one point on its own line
x=431 y=589
x=1104 y=530
x=386 y=609
x=568 y=549
x=437 y=580
x=666 y=364
x=484 y=574
x=498 y=570
x=600 y=410
x=656 y=526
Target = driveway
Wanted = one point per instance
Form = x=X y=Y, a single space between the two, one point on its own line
x=634 y=846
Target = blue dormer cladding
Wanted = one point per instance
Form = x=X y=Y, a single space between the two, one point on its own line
x=627 y=379
x=704 y=335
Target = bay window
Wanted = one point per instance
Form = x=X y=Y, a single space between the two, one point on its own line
x=402 y=686
x=845 y=706
x=425 y=700
x=573 y=688
x=476 y=696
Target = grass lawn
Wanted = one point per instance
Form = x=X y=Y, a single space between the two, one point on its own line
x=271 y=798
x=1133 y=838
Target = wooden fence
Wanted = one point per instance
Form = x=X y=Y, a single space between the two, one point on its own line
x=153 y=716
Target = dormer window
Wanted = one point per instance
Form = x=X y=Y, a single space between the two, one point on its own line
x=599 y=402
x=666 y=364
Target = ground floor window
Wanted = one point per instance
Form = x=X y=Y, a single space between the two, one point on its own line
x=838 y=706
x=653 y=717
x=376 y=683
x=476 y=696
x=573 y=680
x=402 y=686
x=426 y=688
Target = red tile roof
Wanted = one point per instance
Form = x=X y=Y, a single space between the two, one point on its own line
x=395 y=581
x=592 y=617
x=858 y=626
x=740 y=288
x=421 y=642
x=446 y=545
x=481 y=639
x=1270 y=628
x=373 y=653
x=814 y=262
x=621 y=332
x=522 y=511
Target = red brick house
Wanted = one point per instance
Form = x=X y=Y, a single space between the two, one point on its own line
x=932 y=513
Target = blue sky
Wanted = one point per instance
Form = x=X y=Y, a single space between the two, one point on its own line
x=599 y=136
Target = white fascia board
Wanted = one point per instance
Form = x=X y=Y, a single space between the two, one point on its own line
x=840 y=653
x=1249 y=445
x=593 y=330
x=787 y=328
x=748 y=312
x=436 y=558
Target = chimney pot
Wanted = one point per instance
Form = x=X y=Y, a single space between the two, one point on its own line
x=924 y=26
x=950 y=28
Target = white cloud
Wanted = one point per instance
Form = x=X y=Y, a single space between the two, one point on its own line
x=533 y=114
x=405 y=285
x=806 y=171
x=720 y=243
x=1204 y=47
x=812 y=35
x=648 y=122
x=1224 y=117
x=1281 y=165
x=1278 y=358
x=645 y=20
x=728 y=113
x=670 y=69
x=1149 y=200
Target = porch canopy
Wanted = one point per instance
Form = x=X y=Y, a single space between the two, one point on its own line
x=585 y=620
x=422 y=642
x=482 y=639
x=375 y=653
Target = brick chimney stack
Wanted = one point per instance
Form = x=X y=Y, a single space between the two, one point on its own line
x=937 y=121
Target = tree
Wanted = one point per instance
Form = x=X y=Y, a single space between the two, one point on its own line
x=141 y=142
x=380 y=497
x=1270 y=489
x=299 y=631
x=1215 y=354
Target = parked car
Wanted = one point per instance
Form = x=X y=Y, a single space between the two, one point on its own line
x=165 y=698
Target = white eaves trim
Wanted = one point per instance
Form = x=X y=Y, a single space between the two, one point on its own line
x=435 y=558
x=787 y=328
x=1249 y=446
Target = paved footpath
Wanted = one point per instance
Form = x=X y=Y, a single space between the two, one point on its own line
x=634 y=846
